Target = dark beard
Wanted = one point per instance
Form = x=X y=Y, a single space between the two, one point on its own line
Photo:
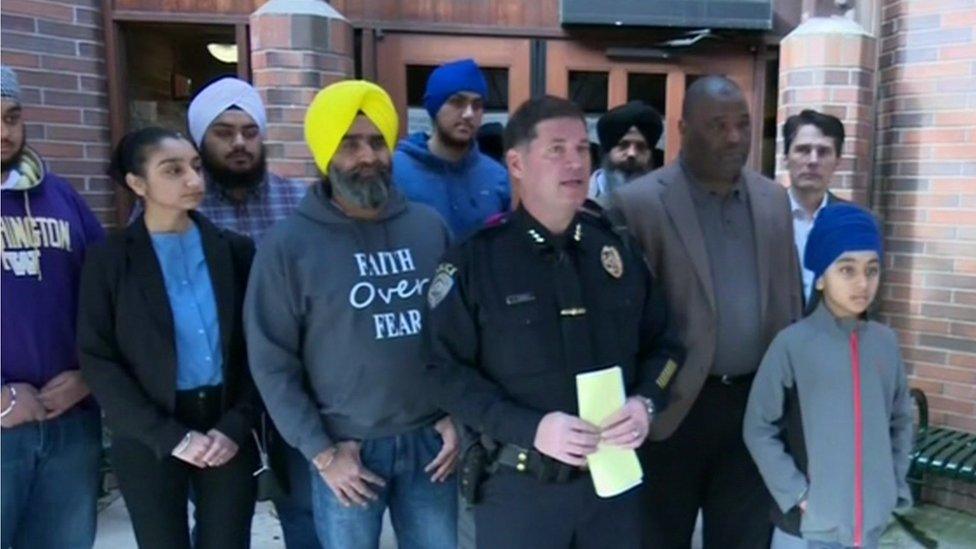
x=364 y=192
x=14 y=160
x=450 y=142
x=227 y=180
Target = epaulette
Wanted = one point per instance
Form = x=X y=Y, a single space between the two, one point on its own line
x=610 y=219
x=594 y=213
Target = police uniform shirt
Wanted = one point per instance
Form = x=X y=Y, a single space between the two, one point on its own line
x=515 y=312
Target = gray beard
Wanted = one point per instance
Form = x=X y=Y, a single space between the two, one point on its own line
x=613 y=179
x=367 y=193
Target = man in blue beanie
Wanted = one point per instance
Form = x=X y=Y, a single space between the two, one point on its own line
x=445 y=170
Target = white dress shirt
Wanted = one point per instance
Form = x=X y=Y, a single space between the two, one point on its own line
x=802 y=224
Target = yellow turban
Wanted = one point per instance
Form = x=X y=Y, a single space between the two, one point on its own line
x=334 y=110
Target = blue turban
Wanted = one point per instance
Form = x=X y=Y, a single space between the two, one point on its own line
x=838 y=229
x=451 y=78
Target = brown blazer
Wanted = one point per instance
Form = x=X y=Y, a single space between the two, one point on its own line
x=659 y=211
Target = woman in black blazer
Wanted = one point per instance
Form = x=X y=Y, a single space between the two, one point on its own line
x=162 y=348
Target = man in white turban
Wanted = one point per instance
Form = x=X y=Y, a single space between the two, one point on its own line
x=228 y=123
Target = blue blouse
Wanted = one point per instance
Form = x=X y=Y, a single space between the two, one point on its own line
x=191 y=298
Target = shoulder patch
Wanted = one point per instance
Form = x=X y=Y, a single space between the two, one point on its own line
x=441 y=285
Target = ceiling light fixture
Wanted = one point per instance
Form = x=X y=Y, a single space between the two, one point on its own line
x=225 y=53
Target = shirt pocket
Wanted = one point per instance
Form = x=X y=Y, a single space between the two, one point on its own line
x=520 y=340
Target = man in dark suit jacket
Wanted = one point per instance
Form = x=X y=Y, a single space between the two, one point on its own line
x=718 y=237
x=813 y=143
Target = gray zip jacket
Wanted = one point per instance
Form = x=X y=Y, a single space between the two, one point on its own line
x=811 y=365
x=333 y=321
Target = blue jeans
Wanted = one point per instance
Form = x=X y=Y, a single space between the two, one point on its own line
x=50 y=482
x=424 y=513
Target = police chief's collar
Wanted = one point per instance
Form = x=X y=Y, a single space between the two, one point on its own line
x=542 y=238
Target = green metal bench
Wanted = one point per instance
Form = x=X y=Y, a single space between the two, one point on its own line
x=940 y=451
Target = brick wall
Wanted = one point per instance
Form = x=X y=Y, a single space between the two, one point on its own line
x=58 y=51
x=926 y=184
x=926 y=165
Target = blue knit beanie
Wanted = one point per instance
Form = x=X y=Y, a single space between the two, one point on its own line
x=451 y=78
x=838 y=229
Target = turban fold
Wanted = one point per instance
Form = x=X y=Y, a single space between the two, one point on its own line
x=838 y=229
x=9 y=85
x=334 y=110
x=219 y=96
x=613 y=125
x=451 y=78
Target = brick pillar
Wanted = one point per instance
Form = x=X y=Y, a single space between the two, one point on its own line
x=297 y=48
x=828 y=64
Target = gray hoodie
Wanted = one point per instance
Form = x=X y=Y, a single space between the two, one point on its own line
x=333 y=319
x=809 y=369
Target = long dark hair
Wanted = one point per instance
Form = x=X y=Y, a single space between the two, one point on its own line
x=133 y=150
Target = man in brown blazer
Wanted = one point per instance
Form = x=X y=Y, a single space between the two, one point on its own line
x=719 y=238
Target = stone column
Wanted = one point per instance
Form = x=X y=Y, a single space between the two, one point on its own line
x=297 y=48
x=828 y=64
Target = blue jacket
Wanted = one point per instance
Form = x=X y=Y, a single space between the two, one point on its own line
x=464 y=193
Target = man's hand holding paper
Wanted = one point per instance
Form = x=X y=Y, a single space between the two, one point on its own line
x=627 y=427
x=566 y=438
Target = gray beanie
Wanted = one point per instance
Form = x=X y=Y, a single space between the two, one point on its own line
x=9 y=86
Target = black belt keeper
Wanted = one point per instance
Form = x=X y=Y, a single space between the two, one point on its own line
x=531 y=462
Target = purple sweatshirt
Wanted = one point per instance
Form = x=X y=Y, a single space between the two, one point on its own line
x=46 y=228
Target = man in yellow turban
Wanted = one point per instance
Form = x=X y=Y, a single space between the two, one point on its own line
x=334 y=333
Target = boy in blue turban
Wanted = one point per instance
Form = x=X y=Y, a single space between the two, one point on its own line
x=829 y=420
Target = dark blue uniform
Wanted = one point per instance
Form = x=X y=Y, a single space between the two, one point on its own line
x=515 y=313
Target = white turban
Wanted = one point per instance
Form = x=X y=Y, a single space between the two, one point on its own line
x=219 y=96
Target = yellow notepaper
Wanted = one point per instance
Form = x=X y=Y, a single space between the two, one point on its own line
x=600 y=394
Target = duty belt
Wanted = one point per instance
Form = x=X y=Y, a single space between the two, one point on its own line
x=531 y=462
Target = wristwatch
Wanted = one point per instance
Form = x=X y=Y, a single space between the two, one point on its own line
x=648 y=405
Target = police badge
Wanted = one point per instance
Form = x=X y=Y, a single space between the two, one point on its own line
x=612 y=262
x=441 y=285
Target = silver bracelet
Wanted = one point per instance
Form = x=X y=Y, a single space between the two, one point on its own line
x=183 y=444
x=13 y=400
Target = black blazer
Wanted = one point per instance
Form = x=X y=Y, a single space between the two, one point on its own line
x=127 y=341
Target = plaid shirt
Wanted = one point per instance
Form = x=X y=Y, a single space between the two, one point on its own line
x=273 y=200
